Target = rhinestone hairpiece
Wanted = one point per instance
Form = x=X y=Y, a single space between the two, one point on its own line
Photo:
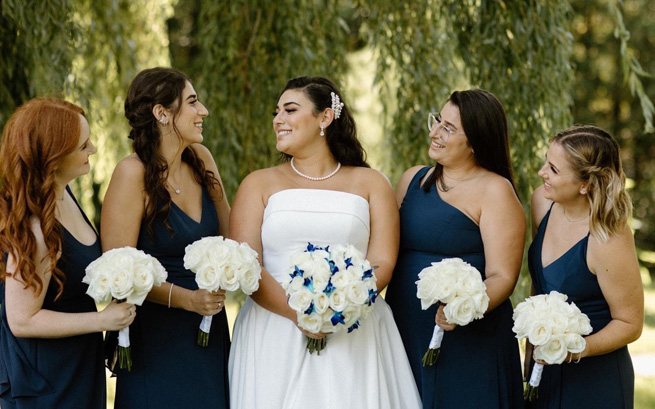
x=336 y=105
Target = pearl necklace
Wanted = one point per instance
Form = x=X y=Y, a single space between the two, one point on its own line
x=313 y=178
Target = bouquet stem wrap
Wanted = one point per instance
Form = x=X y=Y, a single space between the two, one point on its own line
x=531 y=391
x=124 y=352
x=203 y=331
x=432 y=354
x=316 y=345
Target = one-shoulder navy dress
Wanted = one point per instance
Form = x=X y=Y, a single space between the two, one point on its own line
x=62 y=373
x=603 y=381
x=169 y=369
x=479 y=365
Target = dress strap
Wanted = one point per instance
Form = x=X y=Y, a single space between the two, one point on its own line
x=70 y=192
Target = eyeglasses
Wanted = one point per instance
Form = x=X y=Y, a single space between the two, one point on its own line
x=434 y=121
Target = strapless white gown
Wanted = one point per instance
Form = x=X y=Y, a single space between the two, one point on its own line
x=270 y=367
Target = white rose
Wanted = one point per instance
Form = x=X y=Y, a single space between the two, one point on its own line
x=540 y=330
x=120 y=284
x=300 y=258
x=340 y=280
x=208 y=278
x=228 y=278
x=321 y=302
x=311 y=323
x=249 y=278
x=295 y=284
x=460 y=311
x=301 y=300
x=142 y=279
x=218 y=255
x=327 y=326
x=579 y=324
x=574 y=343
x=99 y=288
x=553 y=352
x=426 y=289
x=352 y=314
x=194 y=256
x=480 y=302
x=338 y=300
x=357 y=292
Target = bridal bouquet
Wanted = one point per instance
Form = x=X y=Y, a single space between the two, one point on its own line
x=459 y=286
x=331 y=289
x=221 y=263
x=126 y=274
x=554 y=327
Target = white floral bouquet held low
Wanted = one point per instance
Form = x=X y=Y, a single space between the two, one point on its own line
x=221 y=264
x=331 y=289
x=554 y=327
x=126 y=274
x=459 y=286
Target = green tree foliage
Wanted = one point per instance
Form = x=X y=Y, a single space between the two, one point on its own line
x=604 y=96
x=242 y=54
x=35 y=42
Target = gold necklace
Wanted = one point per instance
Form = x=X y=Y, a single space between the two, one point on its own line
x=574 y=221
x=445 y=188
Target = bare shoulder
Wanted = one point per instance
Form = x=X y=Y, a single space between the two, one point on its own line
x=496 y=188
x=620 y=242
x=204 y=154
x=131 y=169
x=371 y=176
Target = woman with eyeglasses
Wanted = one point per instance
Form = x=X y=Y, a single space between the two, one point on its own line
x=583 y=247
x=464 y=206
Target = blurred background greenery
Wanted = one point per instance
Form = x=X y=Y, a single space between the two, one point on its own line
x=551 y=62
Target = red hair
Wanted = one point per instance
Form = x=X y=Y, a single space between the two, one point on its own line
x=34 y=141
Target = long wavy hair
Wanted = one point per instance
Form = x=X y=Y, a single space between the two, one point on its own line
x=341 y=135
x=485 y=125
x=594 y=157
x=150 y=87
x=34 y=141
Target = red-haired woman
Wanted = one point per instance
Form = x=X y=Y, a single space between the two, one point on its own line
x=50 y=331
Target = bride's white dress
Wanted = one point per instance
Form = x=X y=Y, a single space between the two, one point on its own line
x=270 y=366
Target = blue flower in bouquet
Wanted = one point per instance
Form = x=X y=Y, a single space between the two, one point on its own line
x=331 y=288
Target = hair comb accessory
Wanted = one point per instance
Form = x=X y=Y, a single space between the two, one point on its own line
x=336 y=105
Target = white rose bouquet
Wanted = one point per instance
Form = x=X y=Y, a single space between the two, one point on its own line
x=459 y=286
x=331 y=289
x=221 y=263
x=126 y=274
x=554 y=327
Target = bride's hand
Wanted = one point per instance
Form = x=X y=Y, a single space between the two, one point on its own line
x=312 y=335
x=440 y=320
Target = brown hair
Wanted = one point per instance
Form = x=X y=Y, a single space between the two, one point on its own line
x=159 y=85
x=34 y=141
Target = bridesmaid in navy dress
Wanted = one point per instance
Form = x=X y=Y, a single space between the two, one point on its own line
x=162 y=198
x=50 y=331
x=465 y=206
x=584 y=248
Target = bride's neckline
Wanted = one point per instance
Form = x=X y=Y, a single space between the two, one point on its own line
x=317 y=190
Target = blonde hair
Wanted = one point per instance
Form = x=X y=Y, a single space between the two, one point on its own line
x=595 y=159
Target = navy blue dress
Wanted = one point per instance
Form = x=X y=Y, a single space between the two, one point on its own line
x=169 y=369
x=62 y=373
x=479 y=365
x=603 y=381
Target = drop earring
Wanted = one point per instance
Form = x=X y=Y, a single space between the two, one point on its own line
x=322 y=131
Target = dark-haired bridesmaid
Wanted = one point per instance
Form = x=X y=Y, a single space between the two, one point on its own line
x=163 y=197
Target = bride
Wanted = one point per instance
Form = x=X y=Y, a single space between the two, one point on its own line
x=326 y=194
